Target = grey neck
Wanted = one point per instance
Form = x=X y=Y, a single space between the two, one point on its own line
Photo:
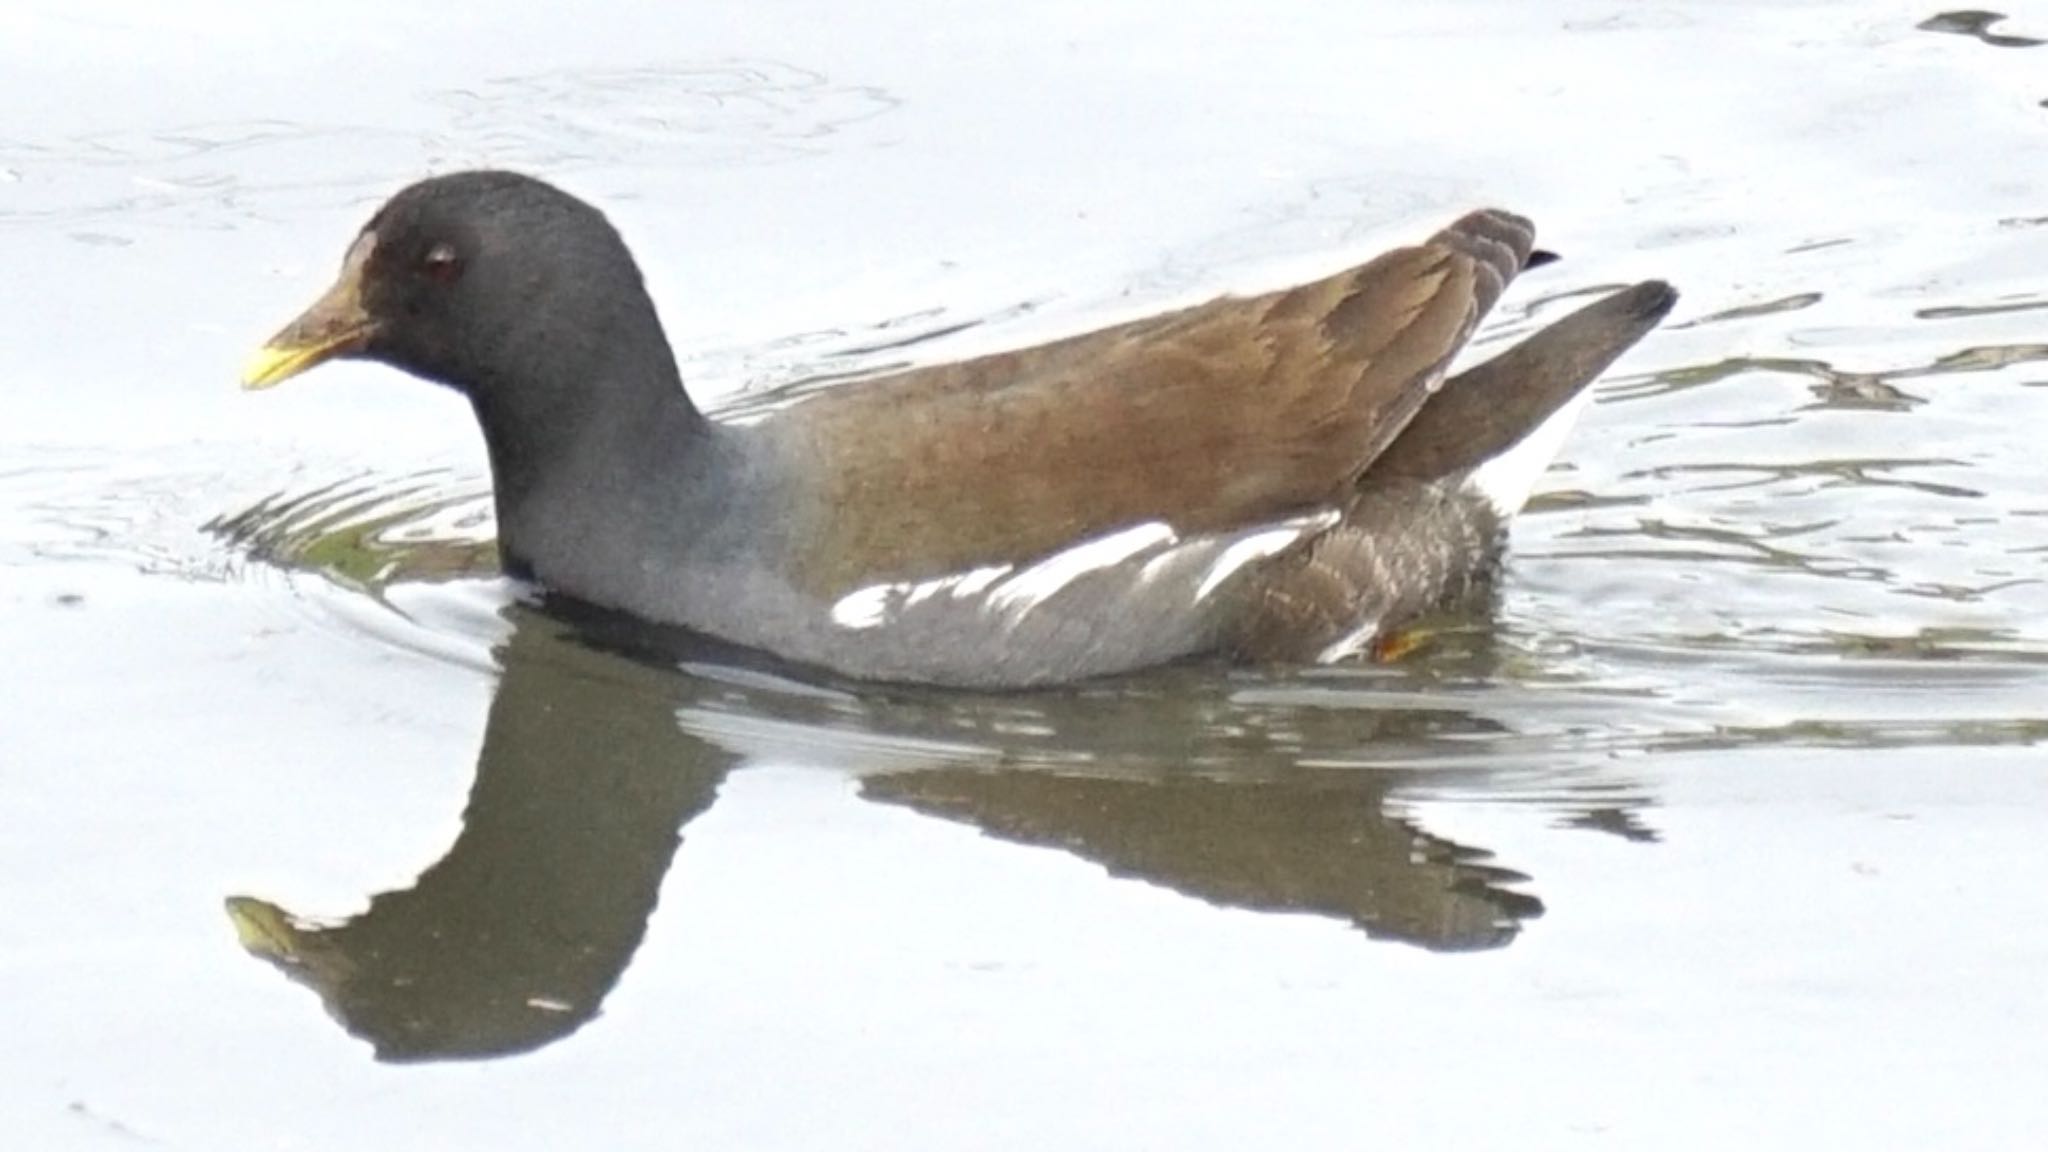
x=592 y=443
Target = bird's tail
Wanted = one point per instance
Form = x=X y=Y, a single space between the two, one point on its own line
x=1501 y=423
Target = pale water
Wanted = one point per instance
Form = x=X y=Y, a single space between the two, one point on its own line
x=1728 y=830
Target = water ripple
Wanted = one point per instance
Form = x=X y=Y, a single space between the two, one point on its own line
x=222 y=174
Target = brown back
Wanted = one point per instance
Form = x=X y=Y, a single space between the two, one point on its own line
x=1213 y=417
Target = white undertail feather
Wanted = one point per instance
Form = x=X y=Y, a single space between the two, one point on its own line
x=1509 y=479
x=1350 y=644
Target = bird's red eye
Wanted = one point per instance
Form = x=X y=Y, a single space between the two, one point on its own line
x=441 y=264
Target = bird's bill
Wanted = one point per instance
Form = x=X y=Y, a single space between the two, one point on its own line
x=336 y=325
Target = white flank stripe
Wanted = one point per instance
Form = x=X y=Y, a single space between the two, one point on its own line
x=973 y=583
x=1508 y=480
x=1260 y=545
x=869 y=607
x=1163 y=561
x=1031 y=587
x=863 y=607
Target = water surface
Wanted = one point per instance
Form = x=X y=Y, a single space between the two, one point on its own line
x=1720 y=828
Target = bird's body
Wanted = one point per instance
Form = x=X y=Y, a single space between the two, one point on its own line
x=1279 y=477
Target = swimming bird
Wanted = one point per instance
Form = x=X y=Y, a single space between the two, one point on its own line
x=1291 y=476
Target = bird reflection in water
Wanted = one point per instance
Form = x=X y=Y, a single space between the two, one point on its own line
x=599 y=751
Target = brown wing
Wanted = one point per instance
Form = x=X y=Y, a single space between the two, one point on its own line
x=1213 y=417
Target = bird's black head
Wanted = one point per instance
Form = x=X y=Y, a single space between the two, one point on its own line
x=480 y=281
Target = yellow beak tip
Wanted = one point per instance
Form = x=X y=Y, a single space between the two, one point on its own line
x=270 y=366
x=260 y=926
